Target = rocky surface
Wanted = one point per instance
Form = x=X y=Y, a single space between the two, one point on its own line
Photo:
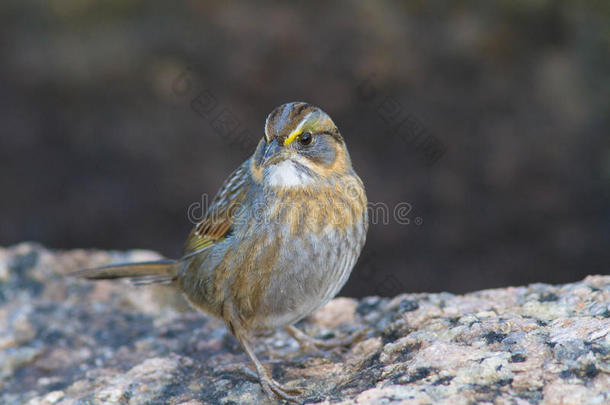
x=68 y=341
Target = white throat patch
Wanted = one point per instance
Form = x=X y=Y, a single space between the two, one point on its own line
x=286 y=174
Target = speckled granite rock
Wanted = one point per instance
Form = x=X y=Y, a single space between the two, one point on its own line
x=68 y=341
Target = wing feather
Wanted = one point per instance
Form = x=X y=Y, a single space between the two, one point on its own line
x=220 y=216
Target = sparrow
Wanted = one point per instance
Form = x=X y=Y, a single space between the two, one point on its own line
x=277 y=242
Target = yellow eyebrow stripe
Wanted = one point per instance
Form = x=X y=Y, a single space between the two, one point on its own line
x=297 y=131
x=292 y=136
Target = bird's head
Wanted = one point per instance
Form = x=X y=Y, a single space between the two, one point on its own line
x=301 y=144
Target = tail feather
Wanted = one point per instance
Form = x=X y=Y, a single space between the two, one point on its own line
x=140 y=273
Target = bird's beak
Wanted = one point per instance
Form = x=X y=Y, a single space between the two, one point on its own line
x=273 y=154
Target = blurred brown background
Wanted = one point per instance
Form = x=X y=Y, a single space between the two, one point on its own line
x=489 y=118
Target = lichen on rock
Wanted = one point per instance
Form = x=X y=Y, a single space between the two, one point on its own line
x=64 y=340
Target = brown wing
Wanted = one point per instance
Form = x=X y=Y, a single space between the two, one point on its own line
x=219 y=217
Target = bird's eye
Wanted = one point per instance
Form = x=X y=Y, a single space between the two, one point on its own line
x=305 y=139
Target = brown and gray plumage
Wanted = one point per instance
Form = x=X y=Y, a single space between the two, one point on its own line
x=278 y=241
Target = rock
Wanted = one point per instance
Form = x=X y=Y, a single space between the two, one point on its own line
x=64 y=340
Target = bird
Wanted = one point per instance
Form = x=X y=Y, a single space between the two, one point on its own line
x=278 y=241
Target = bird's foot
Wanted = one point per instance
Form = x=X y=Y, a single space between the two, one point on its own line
x=274 y=389
x=314 y=345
